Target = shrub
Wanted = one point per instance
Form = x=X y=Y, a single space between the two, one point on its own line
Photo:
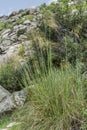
x=10 y=77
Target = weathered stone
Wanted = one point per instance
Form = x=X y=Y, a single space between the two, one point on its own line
x=27 y=11
x=6 y=42
x=10 y=101
x=32 y=10
x=13 y=49
x=12 y=20
x=13 y=13
x=19 y=98
x=34 y=24
x=13 y=37
x=21 y=31
x=6 y=33
x=27 y=22
x=21 y=10
x=20 y=27
x=3 y=93
x=22 y=37
x=2 y=51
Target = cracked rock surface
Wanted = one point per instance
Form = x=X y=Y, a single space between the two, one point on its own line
x=9 y=101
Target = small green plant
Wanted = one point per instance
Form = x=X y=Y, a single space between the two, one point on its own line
x=20 y=21
x=21 y=51
x=2 y=25
x=8 y=25
x=4 y=120
x=30 y=17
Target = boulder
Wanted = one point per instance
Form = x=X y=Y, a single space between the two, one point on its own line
x=9 y=101
x=20 y=29
x=3 y=93
x=12 y=37
x=19 y=98
x=13 y=14
x=27 y=22
x=6 y=42
x=6 y=33
x=22 y=37
x=32 y=10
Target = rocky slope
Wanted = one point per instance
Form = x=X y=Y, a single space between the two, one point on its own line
x=13 y=32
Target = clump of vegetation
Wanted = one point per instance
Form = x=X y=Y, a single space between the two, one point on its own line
x=30 y=17
x=2 y=26
x=10 y=76
x=56 y=99
x=20 y=21
x=5 y=25
x=8 y=25
x=21 y=51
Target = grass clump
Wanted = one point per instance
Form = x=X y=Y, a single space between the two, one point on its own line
x=4 y=120
x=56 y=101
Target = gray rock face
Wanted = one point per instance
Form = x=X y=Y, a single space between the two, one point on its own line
x=19 y=98
x=17 y=27
x=3 y=94
x=6 y=33
x=27 y=22
x=13 y=13
x=9 y=101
